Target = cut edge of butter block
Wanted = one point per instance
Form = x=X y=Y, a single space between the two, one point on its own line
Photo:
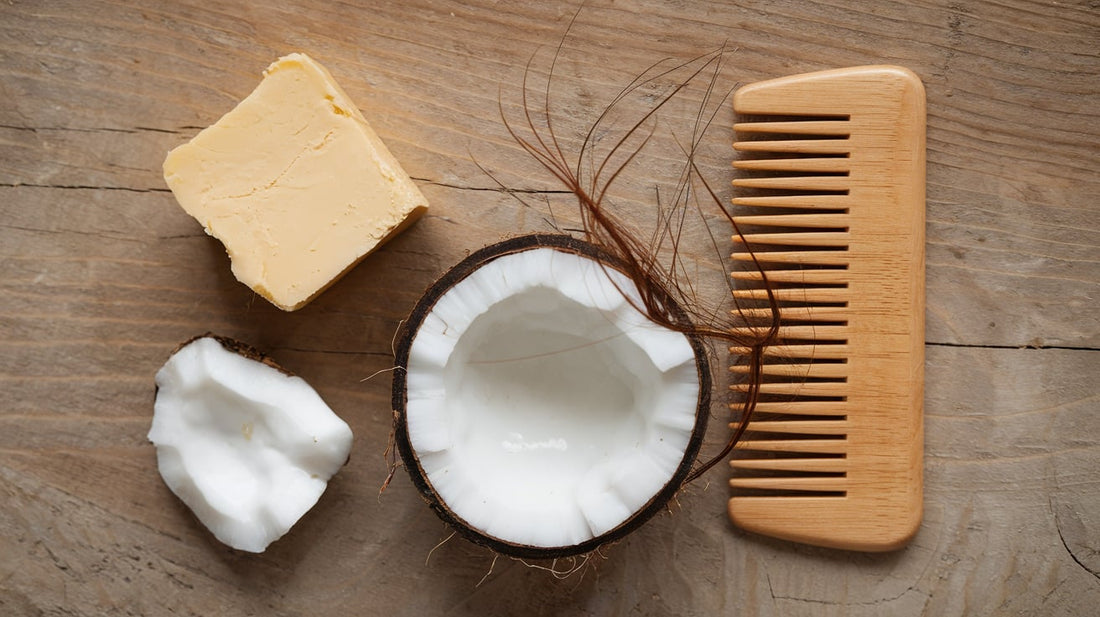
x=295 y=184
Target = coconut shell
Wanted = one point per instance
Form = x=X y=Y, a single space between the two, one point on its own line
x=408 y=456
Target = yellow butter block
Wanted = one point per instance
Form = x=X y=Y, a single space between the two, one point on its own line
x=295 y=184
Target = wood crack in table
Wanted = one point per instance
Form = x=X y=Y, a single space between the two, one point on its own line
x=103 y=275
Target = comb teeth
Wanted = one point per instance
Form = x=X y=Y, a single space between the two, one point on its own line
x=830 y=226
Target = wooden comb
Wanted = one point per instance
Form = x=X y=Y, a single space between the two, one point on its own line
x=832 y=207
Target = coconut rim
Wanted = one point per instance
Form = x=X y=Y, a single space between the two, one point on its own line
x=238 y=347
x=407 y=334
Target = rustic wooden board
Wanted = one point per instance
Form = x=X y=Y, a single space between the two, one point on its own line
x=101 y=275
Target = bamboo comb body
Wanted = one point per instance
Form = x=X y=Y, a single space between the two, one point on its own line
x=832 y=207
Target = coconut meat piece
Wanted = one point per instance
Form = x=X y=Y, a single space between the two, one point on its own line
x=544 y=407
x=246 y=446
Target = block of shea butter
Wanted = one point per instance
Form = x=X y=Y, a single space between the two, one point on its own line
x=295 y=183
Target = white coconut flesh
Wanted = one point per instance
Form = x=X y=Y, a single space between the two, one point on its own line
x=544 y=408
x=247 y=447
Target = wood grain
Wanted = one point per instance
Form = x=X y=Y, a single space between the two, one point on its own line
x=872 y=499
x=101 y=275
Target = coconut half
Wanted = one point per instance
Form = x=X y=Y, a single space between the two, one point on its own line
x=541 y=413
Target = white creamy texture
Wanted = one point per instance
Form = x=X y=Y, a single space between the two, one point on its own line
x=544 y=408
x=248 y=448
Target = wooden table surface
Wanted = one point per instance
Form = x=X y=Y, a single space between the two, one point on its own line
x=101 y=275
